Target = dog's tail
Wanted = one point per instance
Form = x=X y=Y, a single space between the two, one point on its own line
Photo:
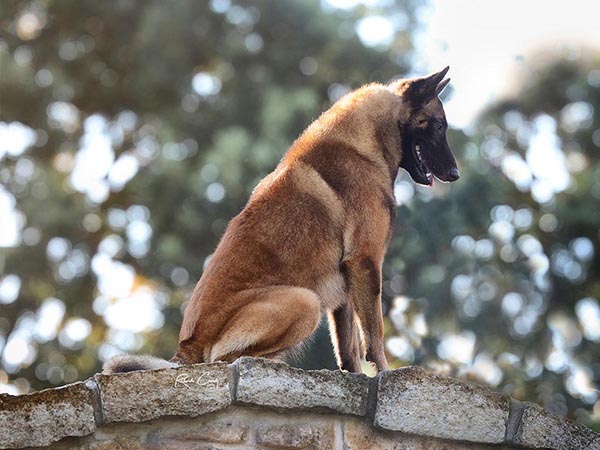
x=129 y=363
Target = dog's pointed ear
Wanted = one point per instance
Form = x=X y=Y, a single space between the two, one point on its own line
x=442 y=86
x=421 y=90
x=436 y=78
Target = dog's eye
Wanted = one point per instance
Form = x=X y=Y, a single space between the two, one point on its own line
x=438 y=126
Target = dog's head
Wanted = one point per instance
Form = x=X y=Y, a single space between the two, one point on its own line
x=425 y=149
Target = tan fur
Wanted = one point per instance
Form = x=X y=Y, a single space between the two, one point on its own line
x=311 y=240
x=296 y=231
x=308 y=180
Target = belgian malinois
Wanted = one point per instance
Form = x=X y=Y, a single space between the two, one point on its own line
x=312 y=238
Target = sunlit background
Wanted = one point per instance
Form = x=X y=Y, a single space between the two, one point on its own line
x=131 y=132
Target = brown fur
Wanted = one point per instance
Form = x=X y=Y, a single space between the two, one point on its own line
x=311 y=240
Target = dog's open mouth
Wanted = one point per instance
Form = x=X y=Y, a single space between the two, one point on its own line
x=426 y=163
x=422 y=165
x=414 y=161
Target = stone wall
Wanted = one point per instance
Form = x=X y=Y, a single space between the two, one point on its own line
x=261 y=404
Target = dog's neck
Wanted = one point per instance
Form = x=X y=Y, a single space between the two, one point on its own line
x=367 y=121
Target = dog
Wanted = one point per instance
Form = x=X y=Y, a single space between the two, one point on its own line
x=313 y=235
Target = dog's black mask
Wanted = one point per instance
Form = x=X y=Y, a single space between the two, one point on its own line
x=425 y=149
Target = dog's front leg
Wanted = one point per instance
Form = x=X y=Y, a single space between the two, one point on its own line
x=364 y=278
x=344 y=335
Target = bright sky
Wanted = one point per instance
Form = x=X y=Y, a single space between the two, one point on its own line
x=485 y=43
x=490 y=46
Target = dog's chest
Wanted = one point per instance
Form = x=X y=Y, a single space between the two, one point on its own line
x=331 y=291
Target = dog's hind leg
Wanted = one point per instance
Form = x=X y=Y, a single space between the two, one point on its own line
x=272 y=320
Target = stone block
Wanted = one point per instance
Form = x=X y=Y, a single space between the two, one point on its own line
x=361 y=436
x=44 y=417
x=227 y=427
x=267 y=383
x=119 y=443
x=413 y=400
x=184 y=391
x=296 y=434
x=541 y=429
